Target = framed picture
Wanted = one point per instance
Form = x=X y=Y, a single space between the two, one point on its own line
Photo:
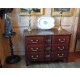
x=30 y=11
x=62 y=11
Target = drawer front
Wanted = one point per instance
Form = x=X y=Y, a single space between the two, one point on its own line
x=35 y=48
x=60 y=39
x=35 y=57
x=58 y=55
x=34 y=40
x=60 y=47
x=61 y=55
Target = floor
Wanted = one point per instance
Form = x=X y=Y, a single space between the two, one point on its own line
x=74 y=62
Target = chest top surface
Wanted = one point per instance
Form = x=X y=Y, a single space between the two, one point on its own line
x=38 y=32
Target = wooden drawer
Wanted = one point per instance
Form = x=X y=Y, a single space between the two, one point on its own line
x=58 y=55
x=60 y=39
x=61 y=54
x=34 y=40
x=35 y=56
x=35 y=48
x=60 y=47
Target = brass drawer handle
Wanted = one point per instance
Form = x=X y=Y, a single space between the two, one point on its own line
x=60 y=55
x=62 y=40
x=61 y=48
x=34 y=57
x=34 y=49
x=36 y=41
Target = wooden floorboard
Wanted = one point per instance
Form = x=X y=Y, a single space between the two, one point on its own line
x=73 y=62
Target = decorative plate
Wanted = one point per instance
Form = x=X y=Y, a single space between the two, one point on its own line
x=46 y=22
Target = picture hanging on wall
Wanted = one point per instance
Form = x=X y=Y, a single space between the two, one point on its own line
x=30 y=11
x=65 y=11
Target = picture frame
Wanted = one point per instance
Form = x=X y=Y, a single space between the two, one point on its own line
x=35 y=11
x=65 y=11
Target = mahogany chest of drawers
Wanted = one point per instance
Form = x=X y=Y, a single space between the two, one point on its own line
x=46 y=45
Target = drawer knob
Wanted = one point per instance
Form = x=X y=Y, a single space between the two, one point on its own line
x=61 y=48
x=60 y=55
x=62 y=40
x=34 y=49
x=36 y=41
x=34 y=57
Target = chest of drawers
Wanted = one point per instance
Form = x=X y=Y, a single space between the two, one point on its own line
x=42 y=45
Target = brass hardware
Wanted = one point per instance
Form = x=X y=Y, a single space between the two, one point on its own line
x=62 y=40
x=60 y=55
x=34 y=57
x=61 y=48
x=34 y=49
x=36 y=41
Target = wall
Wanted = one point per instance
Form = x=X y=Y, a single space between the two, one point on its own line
x=78 y=30
x=19 y=23
x=2 y=47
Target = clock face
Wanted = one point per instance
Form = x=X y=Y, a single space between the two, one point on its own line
x=46 y=22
